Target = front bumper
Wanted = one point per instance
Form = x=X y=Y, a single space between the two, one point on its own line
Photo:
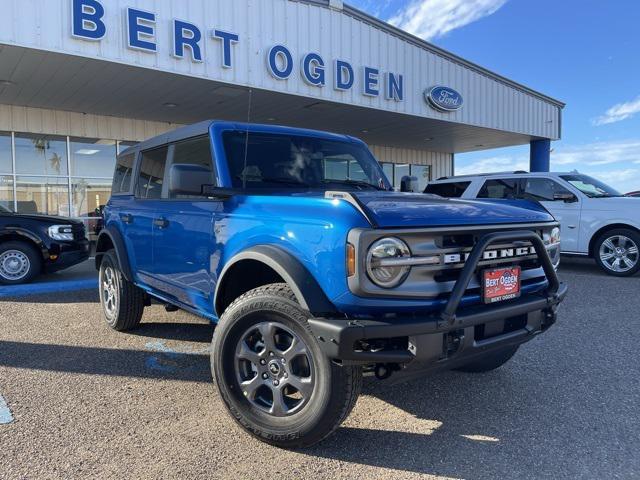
x=67 y=255
x=453 y=335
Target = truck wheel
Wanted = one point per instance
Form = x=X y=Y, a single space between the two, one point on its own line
x=272 y=375
x=490 y=361
x=122 y=302
x=20 y=262
x=616 y=252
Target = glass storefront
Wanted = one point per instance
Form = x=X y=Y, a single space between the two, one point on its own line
x=58 y=175
x=395 y=172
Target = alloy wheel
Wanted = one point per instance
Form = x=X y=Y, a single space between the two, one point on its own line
x=274 y=368
x=619 y=253
x=109 y=291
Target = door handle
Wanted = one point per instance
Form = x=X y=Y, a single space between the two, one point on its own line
x=161 y=222
x=126 y=218
x=571 y=227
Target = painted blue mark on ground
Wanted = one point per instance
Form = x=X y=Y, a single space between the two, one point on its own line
x=47 y=287
x=5 y=414
x=169 y=358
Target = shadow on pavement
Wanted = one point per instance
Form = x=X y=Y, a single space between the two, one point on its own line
x=186 y=367
x=187 y=332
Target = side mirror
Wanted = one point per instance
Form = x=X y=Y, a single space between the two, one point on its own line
x=185 y=179
x=566 y=197
x=409 y=184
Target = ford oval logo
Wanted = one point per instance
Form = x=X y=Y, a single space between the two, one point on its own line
x=444 y=99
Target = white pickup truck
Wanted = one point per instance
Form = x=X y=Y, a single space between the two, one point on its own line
x=596 y=220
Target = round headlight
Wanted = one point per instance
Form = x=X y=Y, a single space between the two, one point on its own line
x=555 y=235
x=380 y=262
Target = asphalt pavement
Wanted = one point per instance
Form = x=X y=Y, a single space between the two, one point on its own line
x=78 y=400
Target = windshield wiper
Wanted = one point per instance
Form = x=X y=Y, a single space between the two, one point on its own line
x=357 y=183
x=282 y=180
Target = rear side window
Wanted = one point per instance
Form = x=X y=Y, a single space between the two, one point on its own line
x=502 y=188
x=448 y=190
x=151 y=174
x=123 y=173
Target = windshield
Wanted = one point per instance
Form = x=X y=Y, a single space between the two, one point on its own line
x=4 y=209
x=590 y=186
x=280 y=160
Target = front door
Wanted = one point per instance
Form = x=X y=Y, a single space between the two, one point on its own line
x=183 y=238
x=567 y=212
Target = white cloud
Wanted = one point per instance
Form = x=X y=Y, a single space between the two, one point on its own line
x=618 y=112
x=619 y=157
x=430 y=19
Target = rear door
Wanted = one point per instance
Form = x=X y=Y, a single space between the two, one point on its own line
x=183 y=239
x=137 y=214
x=543 y=190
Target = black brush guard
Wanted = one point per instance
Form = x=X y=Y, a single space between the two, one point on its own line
x=339 y=337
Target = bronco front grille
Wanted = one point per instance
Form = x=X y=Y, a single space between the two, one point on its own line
x=436 y=282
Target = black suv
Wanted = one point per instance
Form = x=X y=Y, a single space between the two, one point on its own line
x=33 y=244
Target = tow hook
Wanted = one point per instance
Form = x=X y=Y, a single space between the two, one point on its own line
x=452 y=342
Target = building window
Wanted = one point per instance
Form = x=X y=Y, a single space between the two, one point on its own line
x=388 y=171
x=401 y=170
x=44 y=195
x=6 y=192
x=423 y=174
x=44 y=155
x=6 y=164
x=92 y=157
x=89 y=195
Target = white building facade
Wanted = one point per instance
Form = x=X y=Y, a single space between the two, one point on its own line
x=80 y=79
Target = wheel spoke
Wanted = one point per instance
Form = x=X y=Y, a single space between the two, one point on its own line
x=268 y=331
x=246 y=353
x=632 y=250
x=295 y=349
x=250 y=387
x=278 y=408
x=609 y=244
x=303 y=385
x=616 y=264
x=606 y=256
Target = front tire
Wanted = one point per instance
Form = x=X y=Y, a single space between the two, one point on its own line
x=490 y=361
x=272 y=375
x=616 y=252
x=122 y=302
x=20 y=262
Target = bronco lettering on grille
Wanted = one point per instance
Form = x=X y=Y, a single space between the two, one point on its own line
x=452 y=258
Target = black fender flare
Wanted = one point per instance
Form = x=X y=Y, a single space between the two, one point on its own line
x=27 y=235
x=115 y=238
x=308 y=292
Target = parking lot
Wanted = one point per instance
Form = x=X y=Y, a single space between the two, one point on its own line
x=84 y=401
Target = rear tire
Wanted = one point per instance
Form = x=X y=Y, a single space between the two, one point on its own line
x=122 y=302
x=616 y=252
x=20 y=262
x=490 y=361
x=272 y=375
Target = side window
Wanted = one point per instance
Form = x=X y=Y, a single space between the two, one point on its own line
x=502 y=188
x=191 y=167
x=123 y=173
x=541 y=189
x=151 y=173
x=448 y=190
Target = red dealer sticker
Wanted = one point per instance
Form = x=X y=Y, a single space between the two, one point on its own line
x=501 y=284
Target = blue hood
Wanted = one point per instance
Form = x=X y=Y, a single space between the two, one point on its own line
x=397 y=210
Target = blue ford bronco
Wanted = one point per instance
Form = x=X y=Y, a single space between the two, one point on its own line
x=316 y=272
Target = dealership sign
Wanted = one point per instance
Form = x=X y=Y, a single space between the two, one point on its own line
x=444 y=99
x=88 y=22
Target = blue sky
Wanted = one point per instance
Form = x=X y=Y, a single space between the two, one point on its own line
x=583 y=52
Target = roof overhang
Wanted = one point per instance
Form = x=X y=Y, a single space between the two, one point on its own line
x=66 y=82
